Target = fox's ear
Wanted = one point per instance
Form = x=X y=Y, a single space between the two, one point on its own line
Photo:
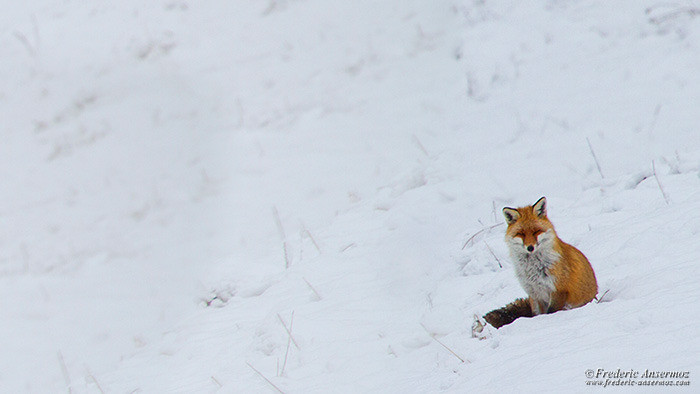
x=540 y=207
x=511 y=215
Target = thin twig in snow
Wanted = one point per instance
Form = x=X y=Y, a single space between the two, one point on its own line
x=289 y=330
x=64 y=370
x=96 y=382
x=278 y=223
x=289 y=341
x=25 y=41
x=479 y=232
x=286 y=255
x=266 y=379
x=420 y=146
x=312 y=289
x=448 y=349
x=31 y=48
x=216 y=381
x=594 y=158
x=311 y=237
x=348 y=247
x=493 y=254
x=598 y=300
x=658 y=182
x=442 y=344
x=280 y=229
x=655 y=118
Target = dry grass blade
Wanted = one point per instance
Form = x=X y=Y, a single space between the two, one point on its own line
x=266 y=379
x=595 y=158
x=283 y=236
x=289 y=340
x=599 y=300
x=278 y=223
x=479 y=232
x=96 y=382
x=494 y=255
x=286 y=255
x=318 y=296
x=348 y=247
x=442 y=344
x=64 y=370
x=658 y=182
x=420 y=146
x=289 y=330
x=655 y=118
x=311 y=237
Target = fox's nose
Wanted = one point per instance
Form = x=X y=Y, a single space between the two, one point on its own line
x=530 y=248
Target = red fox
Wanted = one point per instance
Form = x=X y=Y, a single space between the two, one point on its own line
x=554 y=274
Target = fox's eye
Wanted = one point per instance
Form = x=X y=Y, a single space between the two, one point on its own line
x=537 y=233
x=521 y=235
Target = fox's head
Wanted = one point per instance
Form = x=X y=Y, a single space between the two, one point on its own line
x=529 y=230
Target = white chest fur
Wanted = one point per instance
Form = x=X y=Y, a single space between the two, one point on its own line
x=532 y=268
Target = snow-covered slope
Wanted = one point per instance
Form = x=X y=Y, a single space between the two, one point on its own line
x=186 y=184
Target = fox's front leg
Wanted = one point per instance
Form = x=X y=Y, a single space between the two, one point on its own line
x=508 y=314
x=538 y=307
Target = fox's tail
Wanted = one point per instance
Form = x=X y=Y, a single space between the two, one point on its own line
x=508 y=314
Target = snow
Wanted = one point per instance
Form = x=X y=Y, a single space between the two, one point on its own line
x=186 y=183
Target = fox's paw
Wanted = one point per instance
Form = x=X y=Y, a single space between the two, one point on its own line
x=498 y=318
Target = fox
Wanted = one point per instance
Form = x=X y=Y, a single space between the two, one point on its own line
x=554 y=274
